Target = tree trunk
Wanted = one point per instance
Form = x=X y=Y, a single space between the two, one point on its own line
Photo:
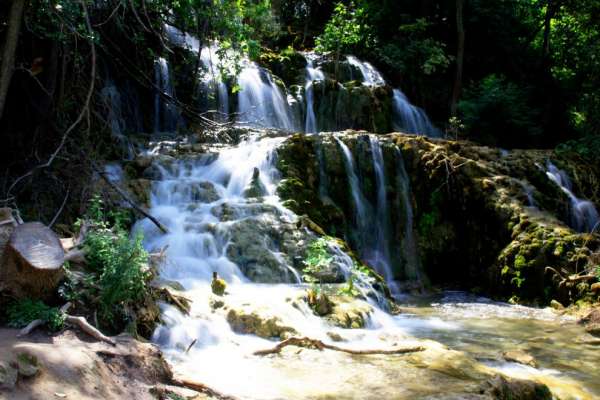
x=460 y=53
x=32 y=262
x=10 y=46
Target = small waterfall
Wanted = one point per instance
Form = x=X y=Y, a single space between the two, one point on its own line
x=584 y=216
x=370 y=227
x=111 y=97
x=261 y=103
x=165 y=113
x=409 y=244
x=213 y=84
x=312 y=74
x=409 y=118
x=370 y=75
x=381 y=253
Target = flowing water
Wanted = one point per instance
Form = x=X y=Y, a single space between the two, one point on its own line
x=166 y=115
x=584 y=216
x=409 y=118
x=312 y=74
x=205 y=201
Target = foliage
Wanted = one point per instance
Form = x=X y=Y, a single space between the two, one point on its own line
x=345 y=31
x=317 y=258
x=496 y=111
x=22 y=312
x=117 y=263
x=587 y=147
x=358 y=274
x=430 y=219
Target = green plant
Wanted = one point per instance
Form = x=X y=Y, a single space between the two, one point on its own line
x=117 y=263
x=346 y=29
x=22 y=312
x=317 y=258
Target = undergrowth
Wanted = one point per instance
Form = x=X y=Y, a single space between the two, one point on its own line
x=22 y=312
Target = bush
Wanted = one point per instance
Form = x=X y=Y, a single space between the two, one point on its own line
x=22 y=312
x=117 y=268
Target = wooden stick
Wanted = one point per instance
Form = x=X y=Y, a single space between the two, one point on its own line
x=202 y=388
x=319 y=345
x=29 y=328
x=82 y=323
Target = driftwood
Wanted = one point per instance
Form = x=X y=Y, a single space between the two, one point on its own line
x=32 y=261
x=319 y=345
x=80 y=322
x=565 y=279
x=126 y=197
x=201 y=388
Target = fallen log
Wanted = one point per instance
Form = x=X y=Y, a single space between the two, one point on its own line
x=33 y=257
x=319 y=345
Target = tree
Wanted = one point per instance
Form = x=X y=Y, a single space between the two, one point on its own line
x=460 y=53
x=10 y=46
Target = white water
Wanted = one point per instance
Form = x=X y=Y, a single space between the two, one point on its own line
x=165 y=112
x=312 y=74
x=409 y=118
x=261 y=103
x=584 y=216
x=114 y=113
x=370 y=75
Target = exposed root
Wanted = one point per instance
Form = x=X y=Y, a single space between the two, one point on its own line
x=82 y=323
x=29 y=328
x=201 y=388
x=319 y=345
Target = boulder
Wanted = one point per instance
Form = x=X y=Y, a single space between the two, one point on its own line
x=502 y=388
x=8 y=376
x=520 y=357
x=246 y=320
x=27 y=364
x=32 y=262
x=349 y=312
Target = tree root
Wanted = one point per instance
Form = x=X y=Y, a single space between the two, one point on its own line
x=201 y=388
x=80 y=322
x=319 y=345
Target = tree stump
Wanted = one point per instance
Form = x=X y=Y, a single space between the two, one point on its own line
x=33 y=257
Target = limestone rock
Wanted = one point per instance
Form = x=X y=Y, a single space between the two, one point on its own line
x=349 y=312
x=556 y=305
x=502 y=388
x=218 y=285
x=27 y=364
x=255 y=188
x=520 y=357
x=595 y=288
x=258 y=322
x=8 y=376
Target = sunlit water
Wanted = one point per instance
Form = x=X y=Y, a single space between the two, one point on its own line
x=189 y=200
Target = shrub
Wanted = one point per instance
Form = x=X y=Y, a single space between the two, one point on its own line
x=22 y=312
x=117 y=267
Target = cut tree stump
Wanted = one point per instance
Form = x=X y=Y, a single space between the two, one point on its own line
x=32 y=262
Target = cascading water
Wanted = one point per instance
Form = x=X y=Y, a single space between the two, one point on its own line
x=165 y=113
x=312 y=74
x=111 y=96
x=262 y=103
x=370 y=75
x=409 y=118
x=584 y=216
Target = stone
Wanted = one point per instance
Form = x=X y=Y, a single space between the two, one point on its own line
x=258 y=322
x=556 y=305
x=595 y=288
x=218 y=285
x=336 y=337
x=27 y=364
x=502 y=388
x=205 y=192
x=520 y=357
x=349 y=312
x=255 y=188
x=8 y=376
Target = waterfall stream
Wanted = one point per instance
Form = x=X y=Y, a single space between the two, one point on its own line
x=224 y=215
x=584 y=216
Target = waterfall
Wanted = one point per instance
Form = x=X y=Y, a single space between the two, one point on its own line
x=369 y=227
x=584 y=216
x=165 y=113
x=409 y=118
x=370 y=75
x=111 y=97
x=381 y=253
x=261 y=103
x=312 y=74
x=409 y=245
